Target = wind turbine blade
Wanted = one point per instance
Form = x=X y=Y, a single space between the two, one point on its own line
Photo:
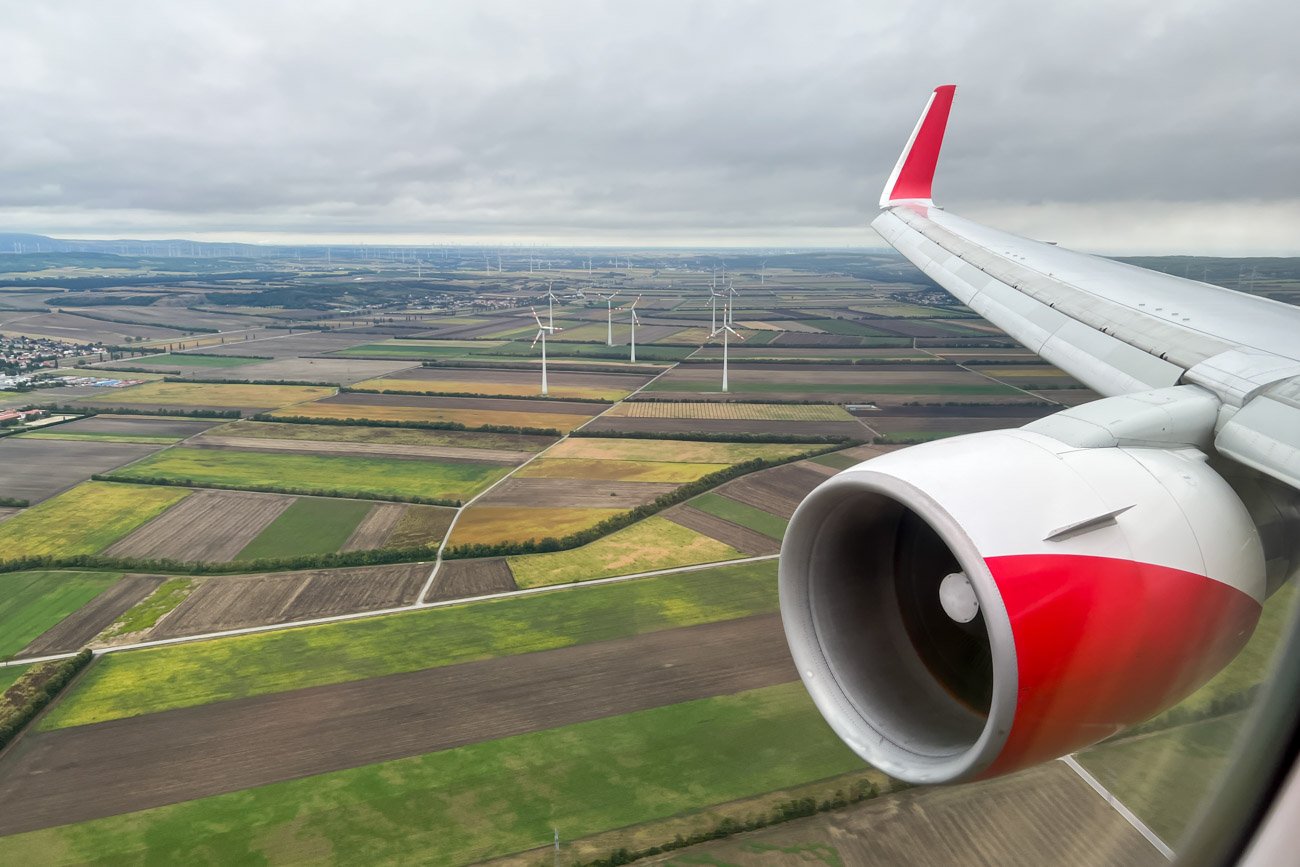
x=538 y=337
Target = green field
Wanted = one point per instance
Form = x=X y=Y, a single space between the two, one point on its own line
x=837 y=460
x=492 y=798
x=32 y=602
x=741 y=513
x=307 y=473
x=655 y=543
x=182 y=359
x=57 y=434
x=84 y=520
x=385 y=435
x=145 y=681
x=422 y=349
x=147 y=611
x=849 y=327
x=309 y=526
x=1164 y=777
x=9 y=675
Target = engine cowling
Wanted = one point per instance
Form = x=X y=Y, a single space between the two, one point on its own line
x=965 y=608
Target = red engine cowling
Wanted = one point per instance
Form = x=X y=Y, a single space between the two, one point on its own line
x=969 y=607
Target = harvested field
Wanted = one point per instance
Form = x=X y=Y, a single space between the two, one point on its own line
x=489 y=523
x=375 y=528
x=727 y=410
x=833 y=383
x=78 y=629
x=574 y=493
x=655 y=543
x=138 y=425
x=36 y=469
x=133 y=764
x=1046 y=815
x=611 y=470
x=196 y=394
x=385 y=436
x=670 y=451
x=280 y=345
x=776 y=491
x=207 y=526
x=334 y=371
x=460 y=579
x=282 y=597
x=420 y=525
x=846 y=429
x=743 y=539
x=471 y=412
x=84 y=520
x=391 y=450
x=605 y=386
x=417 y=350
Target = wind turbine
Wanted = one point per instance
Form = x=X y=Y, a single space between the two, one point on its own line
x=609 y=316
x=730 y=317
x=726 y=330
x=631 y=308
x=713 y=311
x=542 y=331
x=551 y=297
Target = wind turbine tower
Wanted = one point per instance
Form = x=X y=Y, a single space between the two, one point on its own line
x=725 y=330
x=550 y=304
x=542 y=331
x=609 y=317
x=631 y=308
x=730 y=316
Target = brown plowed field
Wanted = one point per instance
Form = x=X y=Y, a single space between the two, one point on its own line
x=778 y=490
x=77 y=629
x=37 y=469
x=211 y=526
x=458 y=579
x=726 y=426
x=353 y=398
x=1046 y=815
x=575 y=493
x=392 y=450
x=375 y=527
x=524 y=377
x=741 y=538
x=128 y=425
x=283 y=597
x=81 y=773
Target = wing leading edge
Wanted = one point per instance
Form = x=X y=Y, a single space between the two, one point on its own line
x=1116 y=328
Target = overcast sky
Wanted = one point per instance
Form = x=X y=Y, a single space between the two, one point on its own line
x=1096 y=124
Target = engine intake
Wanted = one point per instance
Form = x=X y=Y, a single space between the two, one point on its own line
x=965 y=608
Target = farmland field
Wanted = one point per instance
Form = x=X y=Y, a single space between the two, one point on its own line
x=625 y=449
x=383 y=435
x=209 y=526
x=147 y=681
x=379 y=407
x=84 y=520
x=418 y=350
x=183 y=394
x=420 y=525
x=33 y=468
x=81 y=626
x=615 y=470
x=184 y=359
x=9 y=674
x=32 y=602
x=298 y=473
x=450 y=380
x=311 y=525
x=490 y=524
x=741 y=513
x=720 y=410
x=655 y=543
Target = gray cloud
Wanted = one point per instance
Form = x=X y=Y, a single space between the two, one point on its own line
x=668 y=122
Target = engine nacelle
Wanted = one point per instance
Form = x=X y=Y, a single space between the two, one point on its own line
x=965 y=608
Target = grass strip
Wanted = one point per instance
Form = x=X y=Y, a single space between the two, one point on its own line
x=146 y=681
x=743 y=514
x=308 y=526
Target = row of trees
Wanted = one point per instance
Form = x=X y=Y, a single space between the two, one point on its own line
x=416 y=425
x=376 y=557
x=704 y=437
x=351 y=390
x=34 y=690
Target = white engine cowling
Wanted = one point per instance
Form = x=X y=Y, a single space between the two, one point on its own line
x=964 y=608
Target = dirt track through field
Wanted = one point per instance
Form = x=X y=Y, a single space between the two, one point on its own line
x=460 y=578
x=72 y=775
x=743 y=539
x=77 y=629
x=282 y=597
x=575 y=493
x=375 y=527
x=211 y=526
x=393 y=450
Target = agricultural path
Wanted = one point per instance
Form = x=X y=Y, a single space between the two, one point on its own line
x=86 y=772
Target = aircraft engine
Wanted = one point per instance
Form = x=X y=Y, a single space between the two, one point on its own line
x=965 y=608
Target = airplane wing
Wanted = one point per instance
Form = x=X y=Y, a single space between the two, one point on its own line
x=967 y=607
x=1115 y=327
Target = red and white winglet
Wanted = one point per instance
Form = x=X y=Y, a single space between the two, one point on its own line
x=912 y=176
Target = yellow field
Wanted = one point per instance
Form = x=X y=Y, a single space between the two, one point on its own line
x=688 y=335
x=220 y=394
x=655 y=543
x=84 y=520
x=564 y=422
x=738 y=411
x=670 y=451
x=617 y=471
x=480 y=386
x=590 y=331
x=489 y=524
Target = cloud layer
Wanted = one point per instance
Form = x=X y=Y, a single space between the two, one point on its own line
x=665 y=122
